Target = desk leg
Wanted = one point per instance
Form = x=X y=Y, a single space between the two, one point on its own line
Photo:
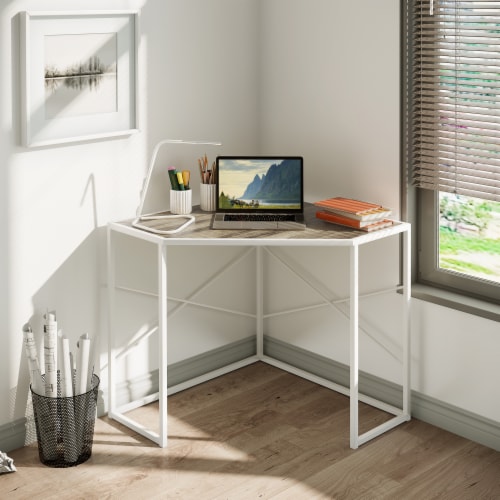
x=111 y=316
x=407 y=324
x=259 y=265
x=354 y=347
x=162 y=342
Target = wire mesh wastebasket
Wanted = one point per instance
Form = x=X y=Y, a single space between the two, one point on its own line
x=65 y=426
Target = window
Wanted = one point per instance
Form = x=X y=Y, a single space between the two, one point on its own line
x=453 y=141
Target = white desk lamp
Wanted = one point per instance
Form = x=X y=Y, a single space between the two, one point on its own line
x=144 y=217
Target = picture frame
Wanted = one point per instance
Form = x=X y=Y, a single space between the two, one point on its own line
x=78 y=76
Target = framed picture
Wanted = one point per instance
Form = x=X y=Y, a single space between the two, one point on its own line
x=79 y=75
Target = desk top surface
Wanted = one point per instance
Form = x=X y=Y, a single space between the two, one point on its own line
x=317 y=232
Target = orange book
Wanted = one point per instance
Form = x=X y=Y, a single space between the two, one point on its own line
x=356 y=224
x=354 y=209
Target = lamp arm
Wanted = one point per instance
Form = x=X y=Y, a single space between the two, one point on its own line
x=153 y=160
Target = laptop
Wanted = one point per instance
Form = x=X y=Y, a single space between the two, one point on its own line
x=259 y=192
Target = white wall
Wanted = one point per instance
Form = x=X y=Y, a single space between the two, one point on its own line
x=455 y=358
x=278 y=76
x=53 y=202
x=330 y=90
x=57 y=200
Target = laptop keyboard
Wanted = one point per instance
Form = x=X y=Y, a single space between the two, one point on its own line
x=259 y=217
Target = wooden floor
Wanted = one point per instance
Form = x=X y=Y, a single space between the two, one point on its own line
x=262 y=433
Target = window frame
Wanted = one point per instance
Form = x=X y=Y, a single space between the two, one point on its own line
x=421 y=207
x=428 y=268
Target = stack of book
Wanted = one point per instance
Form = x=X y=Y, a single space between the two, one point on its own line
x=354 y=213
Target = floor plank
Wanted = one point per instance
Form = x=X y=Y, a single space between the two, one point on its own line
x=262 y=433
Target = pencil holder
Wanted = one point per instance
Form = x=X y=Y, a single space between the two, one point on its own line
x=181 y=201
x=65 y=426
x=207 y=197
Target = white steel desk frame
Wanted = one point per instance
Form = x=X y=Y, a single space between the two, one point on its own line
x=203 y=239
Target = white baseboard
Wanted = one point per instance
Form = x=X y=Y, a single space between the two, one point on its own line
x=425 y=408
x=13 y=435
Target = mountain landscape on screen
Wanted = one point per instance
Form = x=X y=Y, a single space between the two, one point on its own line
x=281 y=183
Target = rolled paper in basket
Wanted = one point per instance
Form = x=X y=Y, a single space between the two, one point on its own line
x=45 y=411
x=71 y=450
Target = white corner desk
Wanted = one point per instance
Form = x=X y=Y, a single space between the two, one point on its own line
x=318 y=233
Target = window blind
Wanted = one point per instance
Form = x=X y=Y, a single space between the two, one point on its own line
x=455 y=96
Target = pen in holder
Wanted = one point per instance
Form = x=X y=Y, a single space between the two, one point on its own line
x=181 y=202
x=207 y=197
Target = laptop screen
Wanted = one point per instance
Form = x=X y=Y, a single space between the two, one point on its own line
x=260 y=184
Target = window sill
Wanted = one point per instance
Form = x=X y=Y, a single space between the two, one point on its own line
x=456 y=301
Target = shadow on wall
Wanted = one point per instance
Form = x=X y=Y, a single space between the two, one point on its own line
x=73 y=291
